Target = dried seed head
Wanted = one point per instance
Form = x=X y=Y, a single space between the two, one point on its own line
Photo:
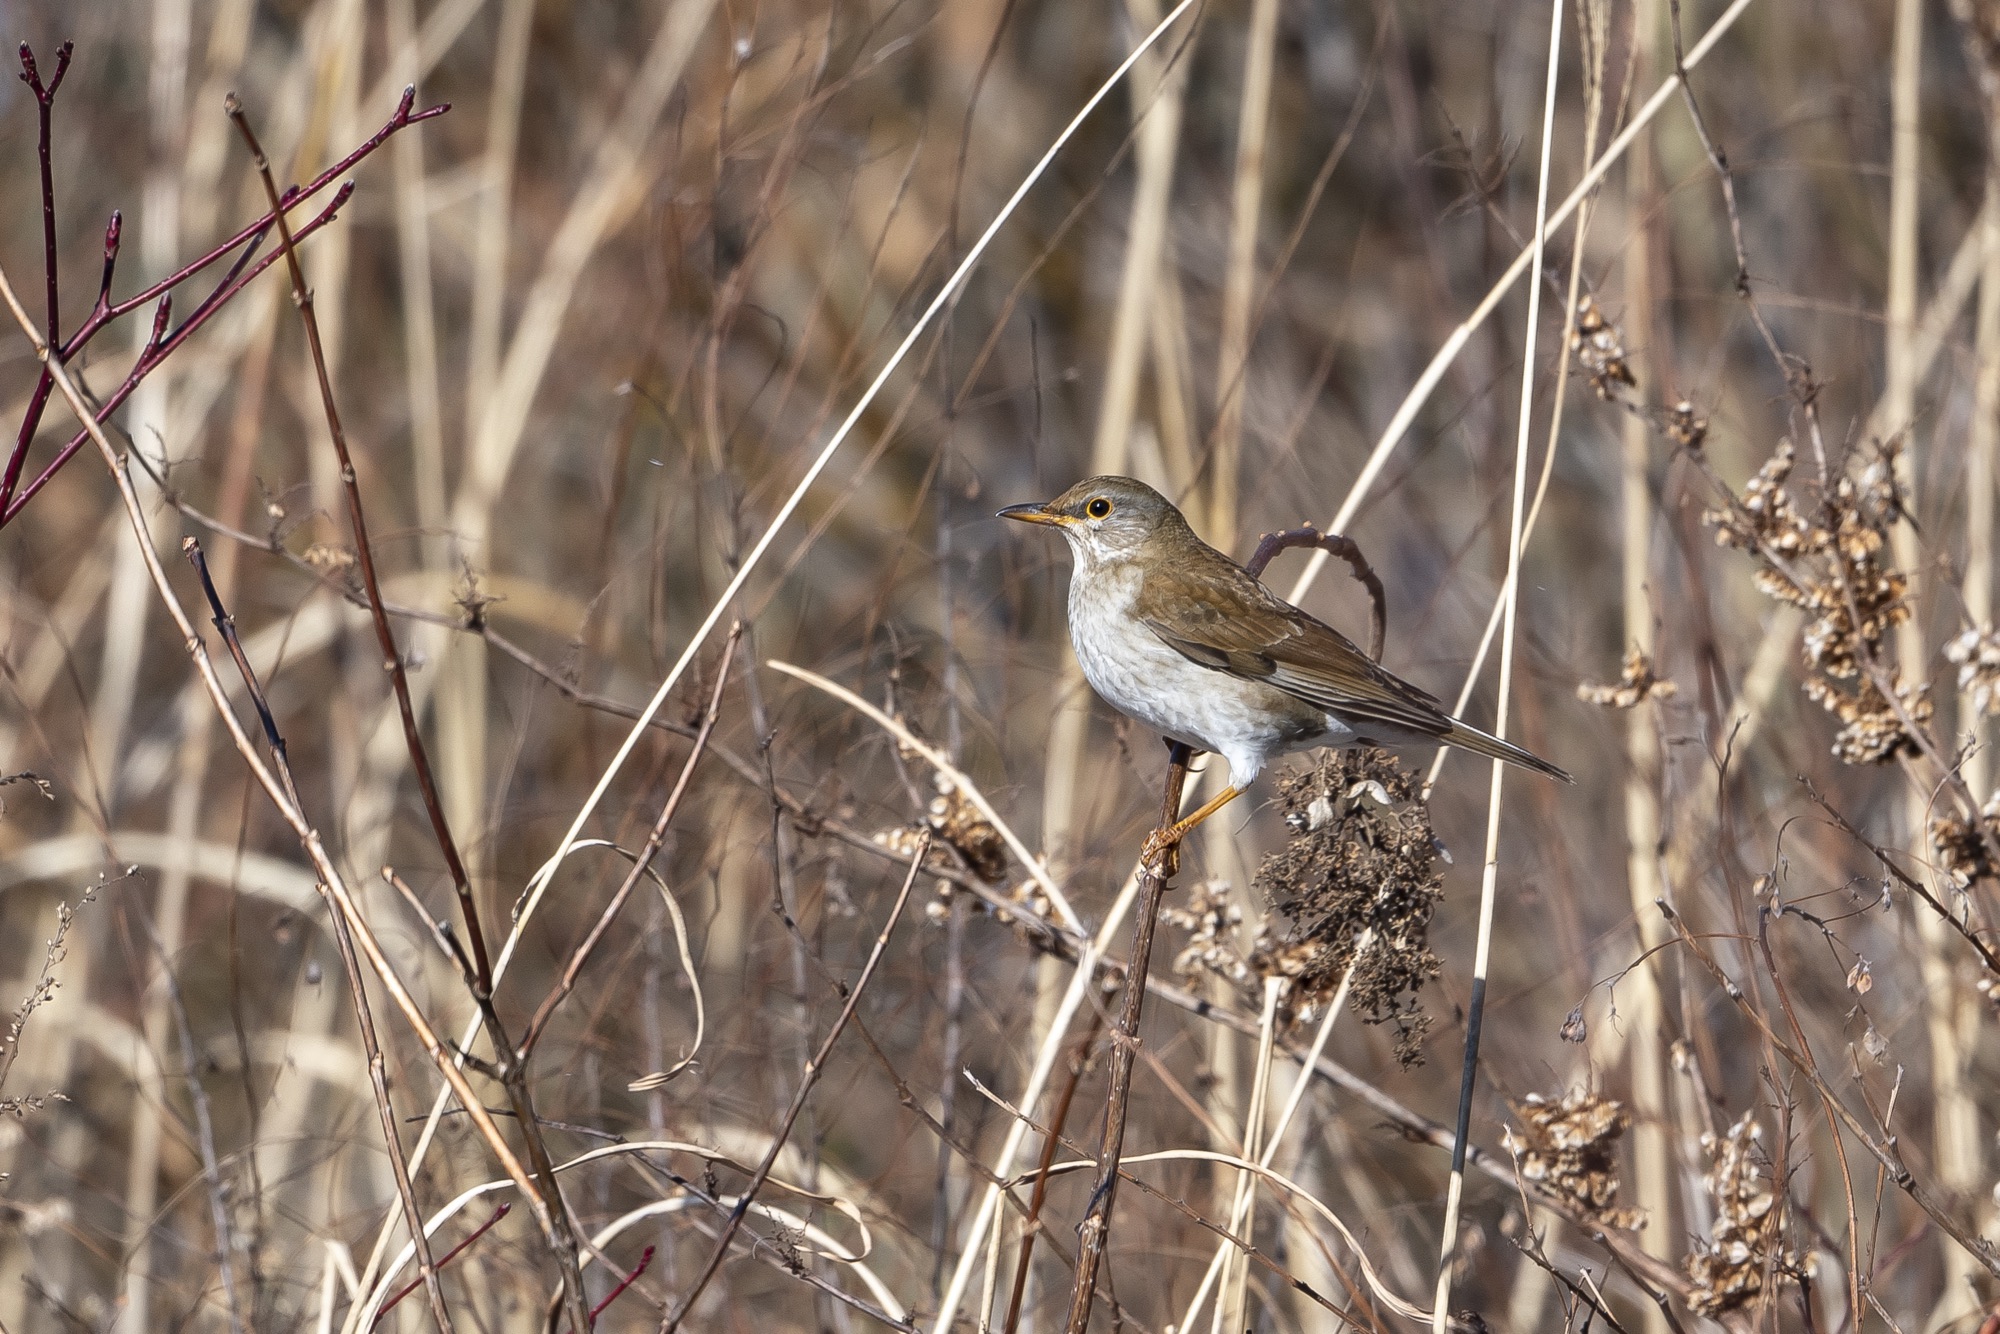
x=1570 y=1146
x=1976 y=654
x=1960 y=846
x=328 y=556
x=1212 y=920
x=1727 y=1272
x=1686 y=427
x=1870 y=732
x=953 y=821
x=1360 y=857
x=1636 y=685
x=954 y=818
x=1599 y=349
x=1833 y=568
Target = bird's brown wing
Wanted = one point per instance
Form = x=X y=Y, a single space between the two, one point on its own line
x=1213 y=613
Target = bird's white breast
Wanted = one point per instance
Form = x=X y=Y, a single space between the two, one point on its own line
x=1139 y=675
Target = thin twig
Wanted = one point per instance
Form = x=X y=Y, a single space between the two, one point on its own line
x=500 y=1211
x=1490 y=869
x=1885 y=1153
x=808 y=1078
x=1907 y=881
x=1839 y=1148
x=163 y=343
x=392 y=658
x=106 y=310
x=645 y=1258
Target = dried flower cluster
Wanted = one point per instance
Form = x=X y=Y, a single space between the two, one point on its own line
x=1636 y=684
x=1686 y=427
x=1360 y=857
x=1960 y=845
x=956 y=826
x=1832 y=566
x=1976 y=654
x=1599 y=349
x=1211 y=921
x=1727 y=1272
x=328 y=557
x=1570 y=1146
x=956 y=823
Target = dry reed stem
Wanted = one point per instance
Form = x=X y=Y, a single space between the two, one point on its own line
x=420 y=353
x=1231 y=1302
x=1983 y=440
x=1293 y=1100
x=462 y=676
x=1653 y=1147
x=1413 y=402
x=1490 y=869
x=158 y=235
x=1955 y=1114
x=1053 y=1035
x=1239 y=275
x=1158 y=87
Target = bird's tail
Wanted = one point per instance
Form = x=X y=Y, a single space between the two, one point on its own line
x=1493 y=748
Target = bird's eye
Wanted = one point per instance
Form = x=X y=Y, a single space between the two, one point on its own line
x=1098 y=508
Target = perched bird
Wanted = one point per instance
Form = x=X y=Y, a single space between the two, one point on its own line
x=1179 y=637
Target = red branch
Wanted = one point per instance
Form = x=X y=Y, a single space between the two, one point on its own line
x=499 y=1213
x=243 y=247
x=624 y=1283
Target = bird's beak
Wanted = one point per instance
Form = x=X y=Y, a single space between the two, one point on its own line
x=1033 y=513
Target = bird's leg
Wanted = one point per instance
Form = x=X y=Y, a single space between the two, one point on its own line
x=1165 y=843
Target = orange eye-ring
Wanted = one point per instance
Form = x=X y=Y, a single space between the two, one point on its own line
x=1098 y=508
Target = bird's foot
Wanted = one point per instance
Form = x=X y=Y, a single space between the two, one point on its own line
x=1161 y=852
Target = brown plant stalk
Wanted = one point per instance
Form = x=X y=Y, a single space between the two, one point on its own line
x=1094 y=1231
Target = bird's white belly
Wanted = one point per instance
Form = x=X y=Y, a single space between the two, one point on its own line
x=1139 y=675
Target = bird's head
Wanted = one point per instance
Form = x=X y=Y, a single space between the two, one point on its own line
x=1108 y=519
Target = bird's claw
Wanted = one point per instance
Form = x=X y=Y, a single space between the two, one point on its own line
x=1162 y=852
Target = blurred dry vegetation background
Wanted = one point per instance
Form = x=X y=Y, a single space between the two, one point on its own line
x=588 y=331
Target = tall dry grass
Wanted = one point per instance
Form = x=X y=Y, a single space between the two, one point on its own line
x=610 y=345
